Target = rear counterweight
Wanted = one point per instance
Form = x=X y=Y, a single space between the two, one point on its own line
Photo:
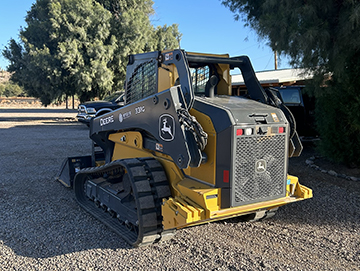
x=251 y=149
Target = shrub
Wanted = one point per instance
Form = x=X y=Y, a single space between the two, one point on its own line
x=338 y=120
x=11 y=89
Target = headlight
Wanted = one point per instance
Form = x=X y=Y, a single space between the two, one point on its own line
x=90 y=110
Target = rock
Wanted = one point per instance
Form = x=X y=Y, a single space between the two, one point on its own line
x=332 y=173
x=265 y=265
x=342 y=176
x=309 y=162
x=315 y=167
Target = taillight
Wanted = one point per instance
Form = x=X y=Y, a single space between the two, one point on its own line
x=248 y=131
x=226 y=176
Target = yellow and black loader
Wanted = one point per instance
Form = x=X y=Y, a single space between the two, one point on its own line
x=184 y=151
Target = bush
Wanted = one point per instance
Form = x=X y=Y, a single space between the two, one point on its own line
x=11 y=89
x=2 y=89
x=338 y=120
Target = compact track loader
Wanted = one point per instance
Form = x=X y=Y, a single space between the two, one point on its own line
x=184 y=151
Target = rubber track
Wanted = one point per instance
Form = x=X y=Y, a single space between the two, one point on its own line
x=149 y=184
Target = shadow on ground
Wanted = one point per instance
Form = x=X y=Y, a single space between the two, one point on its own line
x=40 y=218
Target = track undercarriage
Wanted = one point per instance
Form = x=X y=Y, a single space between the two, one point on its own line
x=126 y=195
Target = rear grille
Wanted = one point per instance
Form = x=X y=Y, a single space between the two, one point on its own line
x=267 y=154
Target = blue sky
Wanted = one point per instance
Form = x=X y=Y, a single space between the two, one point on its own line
x=206 y=26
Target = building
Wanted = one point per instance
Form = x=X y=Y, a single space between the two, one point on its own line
x=274 y=78
x=289 y=83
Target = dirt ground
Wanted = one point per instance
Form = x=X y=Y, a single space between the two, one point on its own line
x=43 y=228
x=297 y=165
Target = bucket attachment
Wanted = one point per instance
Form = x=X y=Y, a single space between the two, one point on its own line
x=70 y=167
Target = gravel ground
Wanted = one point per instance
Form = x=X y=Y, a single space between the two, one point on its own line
x=43 y=228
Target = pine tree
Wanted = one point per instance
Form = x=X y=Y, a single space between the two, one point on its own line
x=324 y=37
x=80 y=47
x=65 y=49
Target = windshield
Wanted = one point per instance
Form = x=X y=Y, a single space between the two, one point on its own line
x=113 y=96
x=290 y=95
x=199 y=78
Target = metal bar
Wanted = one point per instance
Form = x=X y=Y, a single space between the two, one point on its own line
x=214 y=60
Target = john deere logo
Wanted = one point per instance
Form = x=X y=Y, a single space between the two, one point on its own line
x=166 y=127
x=260 y=166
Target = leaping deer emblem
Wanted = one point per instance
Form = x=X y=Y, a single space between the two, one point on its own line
x=260 y=166
x=166 y=129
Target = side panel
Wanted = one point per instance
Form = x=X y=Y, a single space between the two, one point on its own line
x=223 y=169
x=224 y=158
x=167 y=76
x=206 y=171
x=222 y=122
